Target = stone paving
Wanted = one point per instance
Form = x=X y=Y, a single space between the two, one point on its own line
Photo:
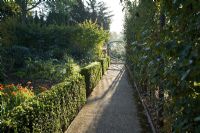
x=110 y=108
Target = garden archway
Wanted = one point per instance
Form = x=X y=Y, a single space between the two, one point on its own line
x=116 y=50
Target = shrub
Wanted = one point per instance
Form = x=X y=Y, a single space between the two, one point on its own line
x=12 y=95
x=93 y=74
x=104 y=64
x=108 y=60
x=15 y=56
x=51 y=111
x=52 y=69
x=81 y=40
x=7 y=31
x=88 y=37
x=2 y=69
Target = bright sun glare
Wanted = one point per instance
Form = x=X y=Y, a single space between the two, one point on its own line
x=117 y=20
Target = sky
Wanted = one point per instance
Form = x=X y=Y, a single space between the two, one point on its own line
x=118 y=18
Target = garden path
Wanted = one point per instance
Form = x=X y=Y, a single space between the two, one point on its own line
x=110 y=108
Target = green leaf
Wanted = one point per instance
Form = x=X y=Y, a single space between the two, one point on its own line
x=197 y=118
x=185 y=74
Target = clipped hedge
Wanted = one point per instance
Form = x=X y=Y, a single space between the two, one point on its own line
x=54 y=110
x=49 y=112
x=104 y=64
x=108 y=60
x=92 y=74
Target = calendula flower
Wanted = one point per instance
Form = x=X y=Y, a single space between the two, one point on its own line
x=1 y=87
x=10 y=86
x=20 y=88
x=14 y=93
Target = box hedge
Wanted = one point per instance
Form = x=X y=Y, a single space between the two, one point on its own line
x=54 y=110
x=49 y=112
x=108 y=60
x=92 y=74
x=104 y=64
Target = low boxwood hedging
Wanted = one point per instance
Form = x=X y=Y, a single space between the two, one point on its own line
x=49 y=112
x=104 y=64
x=108 y=60
x=54 y=110
x=92 y=74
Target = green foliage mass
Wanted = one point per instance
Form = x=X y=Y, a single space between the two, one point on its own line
x=51 y=111
x=60 y=12
x=53 y=70
x=38 y=47
x=163 y=52
x=35 y=47
x=12 y=96
x=90 y=38
x=79 y=39
x=108 y=60
x=92 y=74
x=104 y=64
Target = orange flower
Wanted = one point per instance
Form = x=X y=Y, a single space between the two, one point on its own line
x=10 y=86
x=14 y=93
x=30 y=93
x=20 y=87
x=1 y=87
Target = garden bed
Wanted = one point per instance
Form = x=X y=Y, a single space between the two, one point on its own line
x=51 y=110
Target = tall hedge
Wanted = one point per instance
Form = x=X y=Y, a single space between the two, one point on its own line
x=49 y=112
x=92 y=74
x=163 y=52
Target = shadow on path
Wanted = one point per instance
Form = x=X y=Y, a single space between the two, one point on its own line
x=110 y=108
x=111 y=87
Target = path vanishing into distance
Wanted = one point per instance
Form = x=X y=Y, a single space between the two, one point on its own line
x=110 y=108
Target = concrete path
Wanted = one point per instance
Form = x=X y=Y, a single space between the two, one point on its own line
x=110 y=108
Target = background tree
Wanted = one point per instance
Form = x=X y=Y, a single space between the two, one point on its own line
x=72 y=12
x=104 y=16
x=79 y=13
x=59 y=11
x=8 y=9
x=92 y=7
x=100 y=13
x=26 y=6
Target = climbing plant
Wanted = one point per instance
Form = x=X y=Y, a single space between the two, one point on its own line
x=163 y=50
